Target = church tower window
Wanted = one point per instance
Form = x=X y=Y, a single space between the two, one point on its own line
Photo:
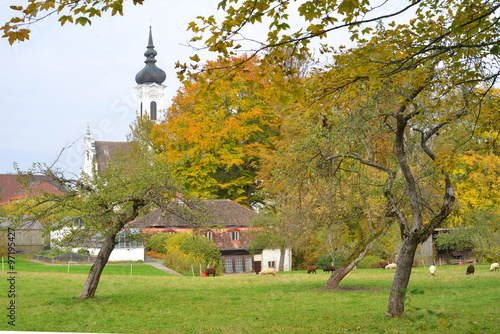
x=153 y=111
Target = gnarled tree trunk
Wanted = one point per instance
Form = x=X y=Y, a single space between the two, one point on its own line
x=90 y=285
x=358 y=254
x=402 y=277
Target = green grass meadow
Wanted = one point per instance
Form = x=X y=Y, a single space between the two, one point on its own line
x=151 y=301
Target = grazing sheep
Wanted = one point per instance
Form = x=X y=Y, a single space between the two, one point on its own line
x=432 y=270
x=391 y=266
x=210 y=271
x=383 y=264
x=470 y=270
x=329 y=268
x=494 y=266
x=311 y=269
x=268 y=271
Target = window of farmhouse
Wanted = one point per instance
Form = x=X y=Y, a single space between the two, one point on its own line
x=238 y=263
x=248 y=262
x=235 y=235
x=229 y=264
x=208 y=235
x=271 y=264
x=125 y=241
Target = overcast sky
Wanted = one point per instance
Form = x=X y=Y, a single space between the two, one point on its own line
x=64 y=78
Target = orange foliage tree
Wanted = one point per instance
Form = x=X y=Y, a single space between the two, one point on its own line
x=217 y=128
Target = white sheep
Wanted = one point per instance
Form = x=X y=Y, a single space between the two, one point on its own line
x=494 y=266
x=432 y=270
x=391 y=266
x=268 y=271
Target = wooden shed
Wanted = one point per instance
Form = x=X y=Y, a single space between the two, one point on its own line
x=28 y=238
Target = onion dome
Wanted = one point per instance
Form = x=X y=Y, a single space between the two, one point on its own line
x=150 y=73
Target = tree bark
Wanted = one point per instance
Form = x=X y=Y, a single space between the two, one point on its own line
x=395 y=308
x=281 y=266
x=363 y=249
x=90 y=285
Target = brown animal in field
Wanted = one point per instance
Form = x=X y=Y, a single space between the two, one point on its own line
x=470 y=270
x=311 y=269
x=329 y=268
x=383 y=264
x=210 y=271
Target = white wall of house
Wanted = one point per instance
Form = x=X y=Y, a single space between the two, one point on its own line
x=118 y=254
x=273 y=255
x=56 y=235
x=122 y=254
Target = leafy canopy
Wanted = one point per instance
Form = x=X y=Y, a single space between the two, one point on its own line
x=217 y=128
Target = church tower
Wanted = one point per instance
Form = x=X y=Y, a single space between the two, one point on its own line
x=89 y=153
x=149 y=86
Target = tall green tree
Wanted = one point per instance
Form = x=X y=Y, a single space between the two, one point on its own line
x=135 y=181
x=430 y=64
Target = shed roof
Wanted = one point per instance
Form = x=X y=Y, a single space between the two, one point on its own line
x=29 y=225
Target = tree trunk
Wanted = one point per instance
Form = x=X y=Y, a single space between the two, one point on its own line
x=337 y=276
x=396 y=306
x=281 y=265
x=480 y=257
x=90 y=285
x=353 y=259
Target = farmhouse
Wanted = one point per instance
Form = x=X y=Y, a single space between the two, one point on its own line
x=227 y=227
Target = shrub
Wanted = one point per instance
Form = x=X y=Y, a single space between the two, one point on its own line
x=82 y=251
x=488 y=258
x=57 y=251
x=370 y=261
x=186 y=252
x=324 y=261
x=158 y=242
x=3 y=245
x=200 y=246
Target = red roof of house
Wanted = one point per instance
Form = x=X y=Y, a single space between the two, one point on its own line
x=11 y=189
x=225 y=212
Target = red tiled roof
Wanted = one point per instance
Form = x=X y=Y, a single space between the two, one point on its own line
x=11 y=189
x=226 y=212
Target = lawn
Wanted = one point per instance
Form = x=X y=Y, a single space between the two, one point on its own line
x=451 y=302
x=138 y=268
